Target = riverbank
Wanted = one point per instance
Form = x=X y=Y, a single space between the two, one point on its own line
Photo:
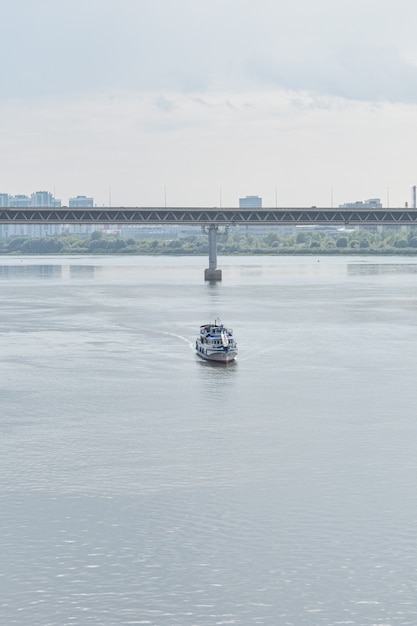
x=387 y=242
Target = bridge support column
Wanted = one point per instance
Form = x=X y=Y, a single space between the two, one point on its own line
x=212 y=273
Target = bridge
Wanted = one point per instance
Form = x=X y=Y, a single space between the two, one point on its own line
x=210 y=218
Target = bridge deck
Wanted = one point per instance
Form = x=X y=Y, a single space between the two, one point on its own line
x=201 y=216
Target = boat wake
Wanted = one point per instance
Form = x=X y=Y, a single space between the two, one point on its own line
x=185 y=339
x=175 y=335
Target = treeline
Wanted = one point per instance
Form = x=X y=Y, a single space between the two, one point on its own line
x=389 y=241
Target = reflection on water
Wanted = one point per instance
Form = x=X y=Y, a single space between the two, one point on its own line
x=372 y=269
x=100 y=269
x=30 y=271
x=82 y=271
x=22 y=271
x=237 y=270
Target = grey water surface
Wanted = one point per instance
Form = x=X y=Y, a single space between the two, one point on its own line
x=142 y=485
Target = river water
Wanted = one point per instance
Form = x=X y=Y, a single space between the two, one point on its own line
x=142 y=485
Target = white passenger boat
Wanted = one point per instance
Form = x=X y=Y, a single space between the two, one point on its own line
x=216 y=343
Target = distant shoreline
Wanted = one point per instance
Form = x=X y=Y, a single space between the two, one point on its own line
x=390 y=242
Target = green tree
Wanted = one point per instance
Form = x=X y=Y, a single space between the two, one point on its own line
x=301 y=237
x=342 y=242
x=271 y=238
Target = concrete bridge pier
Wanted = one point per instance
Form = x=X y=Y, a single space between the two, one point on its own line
x=212 y=273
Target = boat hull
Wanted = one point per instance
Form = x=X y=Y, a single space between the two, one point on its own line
x=217 y=356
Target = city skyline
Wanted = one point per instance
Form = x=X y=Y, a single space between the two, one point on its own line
x=42 y=199
x=48 y=199
x=200 y=103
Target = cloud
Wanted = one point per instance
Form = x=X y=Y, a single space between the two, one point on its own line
x=356 y=49
x=162 y=103
x=362 y=73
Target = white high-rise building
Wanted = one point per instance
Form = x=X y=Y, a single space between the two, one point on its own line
x=20 y=201
x=81 y=201
x=250 y=202
x=372 y=203
x=44 y=199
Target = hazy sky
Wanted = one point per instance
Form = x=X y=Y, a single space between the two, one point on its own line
x=200 y=102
